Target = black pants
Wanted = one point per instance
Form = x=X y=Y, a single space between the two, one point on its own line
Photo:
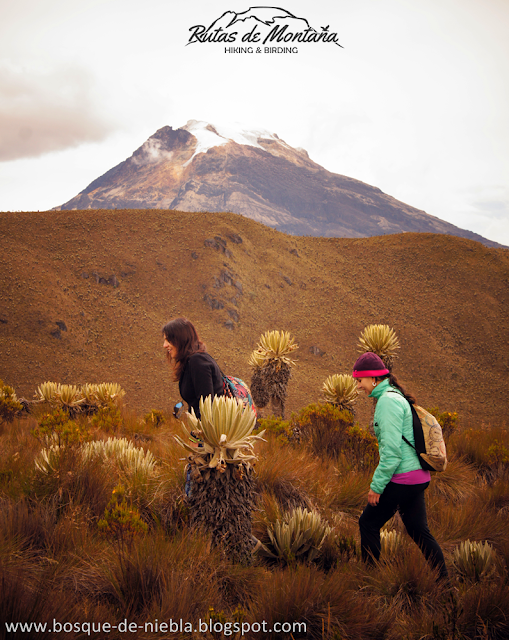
x=408 y=499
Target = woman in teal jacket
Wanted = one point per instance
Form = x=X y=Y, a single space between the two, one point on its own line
x=399 y=481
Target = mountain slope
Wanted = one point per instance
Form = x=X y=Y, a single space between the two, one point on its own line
x=86 y=293
x=205 y=168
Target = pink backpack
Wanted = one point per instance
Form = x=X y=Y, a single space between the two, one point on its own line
x=237 y=388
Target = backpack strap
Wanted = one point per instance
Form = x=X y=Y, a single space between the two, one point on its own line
x=409 y=443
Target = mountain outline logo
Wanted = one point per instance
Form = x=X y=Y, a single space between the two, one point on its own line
x=261 y=25
x=250 y=14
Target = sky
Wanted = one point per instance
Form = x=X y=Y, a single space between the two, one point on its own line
x=415 y=101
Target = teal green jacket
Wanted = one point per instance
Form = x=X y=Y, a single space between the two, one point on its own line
x=393 y=419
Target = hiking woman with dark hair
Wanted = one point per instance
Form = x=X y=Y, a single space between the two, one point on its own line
x=197 y=373
x=399 y=481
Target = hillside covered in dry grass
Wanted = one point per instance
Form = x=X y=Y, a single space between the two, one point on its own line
x=86 y=293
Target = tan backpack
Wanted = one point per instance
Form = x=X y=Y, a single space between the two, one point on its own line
x=429 y=439
x=434 y=454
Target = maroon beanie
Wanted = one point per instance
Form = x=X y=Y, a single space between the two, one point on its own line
x=369 y=365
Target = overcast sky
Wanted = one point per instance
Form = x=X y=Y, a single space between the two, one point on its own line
x=414 y=103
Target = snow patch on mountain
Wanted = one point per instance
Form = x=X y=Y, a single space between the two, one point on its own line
x=210 y=135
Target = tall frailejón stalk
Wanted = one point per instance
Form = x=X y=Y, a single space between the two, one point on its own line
x=221 y=498
x=382 y=340
x=272 y=369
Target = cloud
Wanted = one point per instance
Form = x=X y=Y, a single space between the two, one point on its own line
x=42 y=112
x=151 y=153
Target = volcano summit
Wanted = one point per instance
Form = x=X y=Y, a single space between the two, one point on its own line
x=202 y=167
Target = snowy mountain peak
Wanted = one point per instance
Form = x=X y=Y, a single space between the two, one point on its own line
x=210 y=135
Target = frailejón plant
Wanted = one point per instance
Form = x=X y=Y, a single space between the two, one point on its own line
x=390 y=541
x=88 y=396
x=340 y=390
x=299 y=536
x=274 y=347
x=224 y=429
x=107 y=391
x=47 y=392
x=69 y=396
x=130 y=459
x=271 y=363
x=382 y=340
x=220 y=473
x=473 y=560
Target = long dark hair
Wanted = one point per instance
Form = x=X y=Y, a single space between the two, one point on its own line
x=394 y=382
x=182 y=335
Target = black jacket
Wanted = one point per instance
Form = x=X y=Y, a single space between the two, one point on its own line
x=201 y=376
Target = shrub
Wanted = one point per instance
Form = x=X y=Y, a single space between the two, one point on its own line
x=329 y=432
x=337 y=549
x=9 y=405
x=154 y=418
x=362 y=445
x=121 y=521
x=108 y=417
x=282 y=429
x=57 y=429
x=497 y=454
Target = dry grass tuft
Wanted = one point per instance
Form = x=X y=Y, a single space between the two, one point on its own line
x=404 y=582
x=458 y=483
x=284 y=471
x=473 y=519
x=331 y=606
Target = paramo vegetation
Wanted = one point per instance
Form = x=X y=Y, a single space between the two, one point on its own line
x=95 y=523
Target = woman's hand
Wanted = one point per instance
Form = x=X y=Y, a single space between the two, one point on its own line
x=373 y=498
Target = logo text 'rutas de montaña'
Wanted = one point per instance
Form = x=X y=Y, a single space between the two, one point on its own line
x=261 y=25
